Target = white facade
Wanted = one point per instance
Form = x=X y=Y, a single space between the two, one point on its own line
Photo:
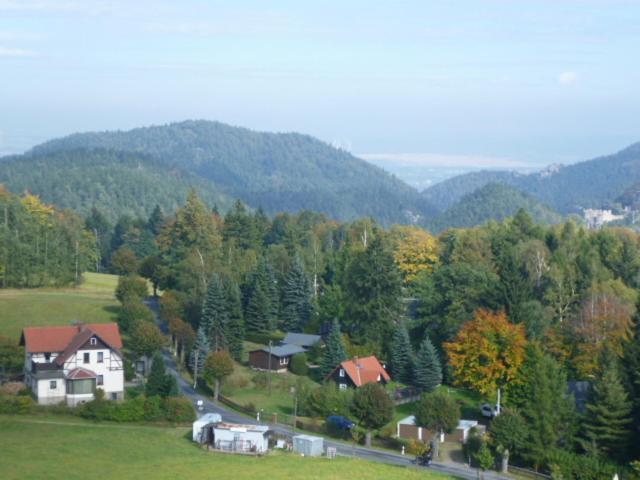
x=94 y=365
x=241 y=438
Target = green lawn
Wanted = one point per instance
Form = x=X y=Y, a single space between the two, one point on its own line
x=61 y=448
x=91 y=302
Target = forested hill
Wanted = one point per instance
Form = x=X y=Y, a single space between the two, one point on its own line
x=276 y=171
x=567 y=189
x=494 y=201
x=118 y=183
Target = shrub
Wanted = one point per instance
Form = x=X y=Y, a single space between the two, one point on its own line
x=260 y=380
x=153 y=409
x=178 y=409
x=131 y=312
x=12 y=388
x=15 y=404
x=328 y=400
x=299 y=364
x=131 y=288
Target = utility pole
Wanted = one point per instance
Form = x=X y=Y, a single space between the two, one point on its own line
x=269 y=373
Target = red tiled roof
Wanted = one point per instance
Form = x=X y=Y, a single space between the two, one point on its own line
x=57 y=339
x=364 y=370
x=80 y=374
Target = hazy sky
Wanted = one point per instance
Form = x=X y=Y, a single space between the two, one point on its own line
x=498 y=81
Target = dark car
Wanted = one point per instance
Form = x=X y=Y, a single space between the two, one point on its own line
x=339 y=422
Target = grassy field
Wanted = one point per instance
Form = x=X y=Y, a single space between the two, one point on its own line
x=72 y=449
x=91 y=302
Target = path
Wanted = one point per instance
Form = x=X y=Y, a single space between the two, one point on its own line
x=345 y=449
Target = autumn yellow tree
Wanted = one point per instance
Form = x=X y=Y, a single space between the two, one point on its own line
x=416 y=251
x=487 y=353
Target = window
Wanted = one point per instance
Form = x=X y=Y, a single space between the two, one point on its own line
x=53 y=385
x=100 y=357
x=343 y=386
x=81 y=387
x=284 y=360
x=87 y=357
x=47 y=357
x=100 y=380
x=114 y=396
x=93 y=341
x=342 y=372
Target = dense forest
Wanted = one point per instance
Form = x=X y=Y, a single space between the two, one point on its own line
x=494 y=201
x=274 y=171
x=567 y=189
x=119 y=183
x=40 y=245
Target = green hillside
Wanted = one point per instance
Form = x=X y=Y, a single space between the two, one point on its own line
x=494 y=201
x=275 y=171
x=115 y=182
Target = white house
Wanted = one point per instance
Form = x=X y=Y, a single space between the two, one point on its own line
x=67 y=364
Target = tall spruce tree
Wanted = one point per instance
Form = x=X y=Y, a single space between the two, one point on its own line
x=334 y=353
x=427 y=371
x=608 y=420
x=262 y=305
x=198 y=354
x=372 y=288
x=296 y=298
x=214 y=314
x=401 y=355
x=235 y=325
x=547 y=409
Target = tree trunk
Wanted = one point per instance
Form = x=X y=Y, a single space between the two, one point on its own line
x=435 y=445
x=367 y=439
x=216 y=392
x=505 y=461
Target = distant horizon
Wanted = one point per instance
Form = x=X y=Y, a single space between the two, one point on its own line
x=538 y=83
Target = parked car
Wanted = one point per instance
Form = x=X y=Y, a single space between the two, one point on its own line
x=488 y=410
x=339 y=422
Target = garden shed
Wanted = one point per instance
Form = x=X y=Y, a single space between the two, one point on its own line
x=203 y=421
x=308 y=445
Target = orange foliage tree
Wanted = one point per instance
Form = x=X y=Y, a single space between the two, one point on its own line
x=487 y=353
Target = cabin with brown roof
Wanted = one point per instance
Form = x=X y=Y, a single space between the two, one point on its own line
x=68 y=363
x=358 y=372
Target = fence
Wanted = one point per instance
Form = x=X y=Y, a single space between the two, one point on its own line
x=525 y=472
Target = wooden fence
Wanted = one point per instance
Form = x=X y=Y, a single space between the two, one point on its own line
x=525 y=472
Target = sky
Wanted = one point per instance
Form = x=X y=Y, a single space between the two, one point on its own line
x=493 y=83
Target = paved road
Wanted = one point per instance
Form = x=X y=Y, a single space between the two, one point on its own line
x=342 y=448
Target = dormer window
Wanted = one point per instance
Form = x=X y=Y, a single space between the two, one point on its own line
x=93 y=341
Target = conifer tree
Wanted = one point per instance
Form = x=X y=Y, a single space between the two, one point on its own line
x=235 y=321
x=334 y=353
x=427 y=370
x=262 y=304
x=157 y=379
x=214 y=314
x=401 y=356
x=199 y=353
x=296 y=301
x=608 y=419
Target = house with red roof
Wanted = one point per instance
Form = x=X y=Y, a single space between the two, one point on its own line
x=358 y=372
x=68 y=363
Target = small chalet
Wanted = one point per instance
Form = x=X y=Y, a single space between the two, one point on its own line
x=276 y=359
x=358 y=372
x=303 y=340
x=67 y=364
x=235 y=438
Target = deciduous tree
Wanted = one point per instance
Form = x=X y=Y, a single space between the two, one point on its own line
x=218 y=365
x=373 y=408
x=439 y=413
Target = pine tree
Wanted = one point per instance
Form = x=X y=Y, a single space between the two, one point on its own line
x=214 y=314
x=156 y=220
x=157 y=380
x=235 y=321
x=372 y=288
x=262 y=303
x=608 y=419
x=296 y=301
x=427 y=370
x=401 y=355
x=199 y=353
x=334 y=353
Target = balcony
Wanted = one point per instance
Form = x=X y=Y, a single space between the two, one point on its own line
x=46 y=370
